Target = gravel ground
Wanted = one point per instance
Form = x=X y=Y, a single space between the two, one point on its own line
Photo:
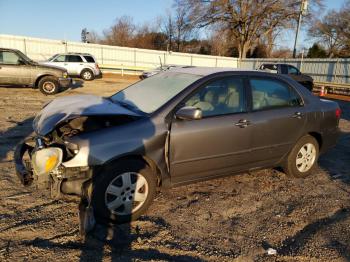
x=236 y=218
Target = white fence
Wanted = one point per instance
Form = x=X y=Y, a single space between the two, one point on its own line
x=111 y=56
x=323 y=70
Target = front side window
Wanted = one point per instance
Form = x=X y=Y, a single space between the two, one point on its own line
x=61 y=58
x=292 y=70
x=74 y=59
x=220 y=97
x=268 y=94
x=9 y=58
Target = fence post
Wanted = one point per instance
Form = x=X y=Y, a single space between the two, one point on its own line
x=134 y=56
x=25 y=46
x=101 y=54
x=191 y=60
x=335 y=70
x=216 y=62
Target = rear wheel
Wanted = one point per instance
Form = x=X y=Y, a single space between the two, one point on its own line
x=122 y=192
x=302 y=160
x=48 y=85
x=87 y=75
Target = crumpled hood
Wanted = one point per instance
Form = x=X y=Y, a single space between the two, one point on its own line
x=69 y=107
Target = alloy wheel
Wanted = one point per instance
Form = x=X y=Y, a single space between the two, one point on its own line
x=126 y=193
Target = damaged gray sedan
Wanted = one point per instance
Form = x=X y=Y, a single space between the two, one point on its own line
x=177 y=127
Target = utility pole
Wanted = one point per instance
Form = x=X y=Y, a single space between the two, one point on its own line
x=303 y=11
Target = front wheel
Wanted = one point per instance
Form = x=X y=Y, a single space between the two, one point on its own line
x=122 y=192
x=302 y=160
x=48 y=85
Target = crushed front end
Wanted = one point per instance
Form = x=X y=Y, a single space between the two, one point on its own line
x=38 y=161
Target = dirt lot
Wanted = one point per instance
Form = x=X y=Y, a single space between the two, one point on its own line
x=235 y=218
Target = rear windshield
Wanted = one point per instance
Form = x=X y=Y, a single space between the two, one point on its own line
x=89 y=59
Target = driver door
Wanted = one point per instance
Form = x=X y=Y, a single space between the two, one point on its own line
x=13 y=69
x=216 y=144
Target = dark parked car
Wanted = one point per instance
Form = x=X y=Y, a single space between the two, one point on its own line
x=291 y=71
x=177 y=127
x=17 y=69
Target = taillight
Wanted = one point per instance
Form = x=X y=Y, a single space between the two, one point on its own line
x=338 y=113
x=97 y=67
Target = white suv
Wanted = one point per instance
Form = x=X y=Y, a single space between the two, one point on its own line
x=77 y=64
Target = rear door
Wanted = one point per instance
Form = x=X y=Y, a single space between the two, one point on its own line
x=13 y=69
x=219 y=142
x=278 y=118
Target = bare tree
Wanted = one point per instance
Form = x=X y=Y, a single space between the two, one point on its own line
x=246 y=20
x=182 y=26
x=93 y=37
x=121 y=33
x=333 y=31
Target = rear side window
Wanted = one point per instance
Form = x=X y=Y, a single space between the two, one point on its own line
x=74 y=59
x=61 y=58
x=269 y=93
x=284 y=69
x=89 y=59
x=270 y=67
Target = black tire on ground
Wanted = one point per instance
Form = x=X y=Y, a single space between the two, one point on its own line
x=48 y=85
x=291 y=168
x=114 y=172
x=87 y=75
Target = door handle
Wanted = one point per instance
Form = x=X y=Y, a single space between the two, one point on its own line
x=242 y=123
x=298 y=115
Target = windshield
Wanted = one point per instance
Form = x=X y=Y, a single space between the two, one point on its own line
x=150 y=94
x=25 y=58
x=52 y=57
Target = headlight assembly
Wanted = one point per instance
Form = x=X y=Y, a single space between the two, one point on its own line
x=65 y=75
x=46 y=160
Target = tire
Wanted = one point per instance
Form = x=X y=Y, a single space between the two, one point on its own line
x=302 y=163
x=87 y=75
x=48 y=85
x=109 y=188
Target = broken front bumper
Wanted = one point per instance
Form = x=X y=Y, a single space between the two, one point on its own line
x=64 y=82
x=62 y=180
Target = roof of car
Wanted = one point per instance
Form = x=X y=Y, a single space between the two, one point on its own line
x=203 y=71
x=8 y=49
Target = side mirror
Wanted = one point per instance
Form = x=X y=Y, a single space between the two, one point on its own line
x=189 y=113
